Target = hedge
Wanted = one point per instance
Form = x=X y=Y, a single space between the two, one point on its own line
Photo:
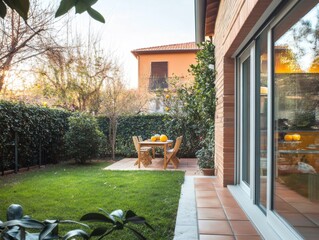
x=37 y=131
x=144 y=126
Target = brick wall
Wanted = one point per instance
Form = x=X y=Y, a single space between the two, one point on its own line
x=234 y=20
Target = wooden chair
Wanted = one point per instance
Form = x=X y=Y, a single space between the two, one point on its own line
x=143 y=153
x=140 y=139
x=171 y=153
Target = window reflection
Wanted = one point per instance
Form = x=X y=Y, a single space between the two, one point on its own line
x=261 y=119
x=296 y=112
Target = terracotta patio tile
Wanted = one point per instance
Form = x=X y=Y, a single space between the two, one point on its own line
x=243 y=228
x=211 y=213
x=229 y=202
x=216 y=227
x=215 y=237
x=205 y=187
x=235 y=214
x=203 y=180
x=223 y=193
x=208 y=202
x=248 y=237
x=209 y=194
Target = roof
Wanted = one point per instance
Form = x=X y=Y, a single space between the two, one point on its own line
x=205 y=18
x=171 y=48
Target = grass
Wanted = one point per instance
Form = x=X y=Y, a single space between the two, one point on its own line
x=68 y=191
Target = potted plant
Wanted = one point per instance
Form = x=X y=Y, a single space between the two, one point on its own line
x=206 y=161
x=205 y=155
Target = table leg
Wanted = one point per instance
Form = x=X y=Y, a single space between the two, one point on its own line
x=139 y=155
x=165 y=163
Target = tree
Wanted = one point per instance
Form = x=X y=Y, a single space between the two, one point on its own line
x=118 y=101
x=20 y=41
x=191 y=109
x=22 y=8
x=75 y=74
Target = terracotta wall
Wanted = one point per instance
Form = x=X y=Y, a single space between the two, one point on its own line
x=178 y=65
x=234 y=20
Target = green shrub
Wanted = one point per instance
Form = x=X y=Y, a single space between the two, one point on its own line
x=83 y=138
x=128 y=126
x=146 y=126
x=37 y=131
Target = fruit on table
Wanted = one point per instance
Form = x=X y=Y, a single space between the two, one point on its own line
x=288 y=137
x=153 y=138
x=296 y=137
x=157 y=136
x=163 y=138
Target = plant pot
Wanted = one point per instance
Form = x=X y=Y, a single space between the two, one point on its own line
x=208 y=171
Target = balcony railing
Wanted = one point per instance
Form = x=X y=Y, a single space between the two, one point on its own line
x=157 y=83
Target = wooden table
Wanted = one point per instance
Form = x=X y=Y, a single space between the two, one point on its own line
x=149 y=143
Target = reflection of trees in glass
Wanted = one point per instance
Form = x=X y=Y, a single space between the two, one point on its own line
x=305 y=34
x=297 y=96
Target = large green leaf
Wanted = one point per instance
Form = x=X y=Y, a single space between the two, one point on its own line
x=75 y=233
x=65 y=6
x=92 y=2
x=47 y=230
x=98 y=231
x=136 y=220
x=72 y=222
x=21 y=6
x=96 y=217
x=26 y=223
x=3 y=9
x=130 y=214
x=81 y=6
x=96 y=15
x=137 y=234
x=118 y=213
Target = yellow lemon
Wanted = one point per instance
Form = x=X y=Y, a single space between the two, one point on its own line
x=296 y=137
x=163 y=138
x=288 y=137
x=153 y=138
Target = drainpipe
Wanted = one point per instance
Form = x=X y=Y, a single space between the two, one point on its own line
x=200 y=15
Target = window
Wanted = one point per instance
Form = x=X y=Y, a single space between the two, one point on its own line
x=296 y=123
x=278 y=122
x=261 y=119
x=158 y=78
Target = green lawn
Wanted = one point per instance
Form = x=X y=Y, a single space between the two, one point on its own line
x=68 y=191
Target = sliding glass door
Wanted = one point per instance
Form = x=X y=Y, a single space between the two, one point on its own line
x=278 y=120
x=245 y=89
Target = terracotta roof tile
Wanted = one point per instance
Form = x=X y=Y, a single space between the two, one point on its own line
x=179 y=47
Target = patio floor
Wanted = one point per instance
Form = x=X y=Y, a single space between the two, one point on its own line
x=206 y=210
x=189 y=165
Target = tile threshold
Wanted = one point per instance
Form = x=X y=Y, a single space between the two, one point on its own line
x=208 y=211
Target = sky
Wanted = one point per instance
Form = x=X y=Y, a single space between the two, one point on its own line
x=132 y=24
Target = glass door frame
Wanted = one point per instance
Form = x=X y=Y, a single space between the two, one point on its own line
x=249 y=53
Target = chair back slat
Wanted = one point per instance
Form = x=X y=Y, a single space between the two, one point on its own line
x=178 y=143
x=135 y=141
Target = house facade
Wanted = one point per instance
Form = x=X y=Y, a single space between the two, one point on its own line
x=157 y=65
x=267 y=117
